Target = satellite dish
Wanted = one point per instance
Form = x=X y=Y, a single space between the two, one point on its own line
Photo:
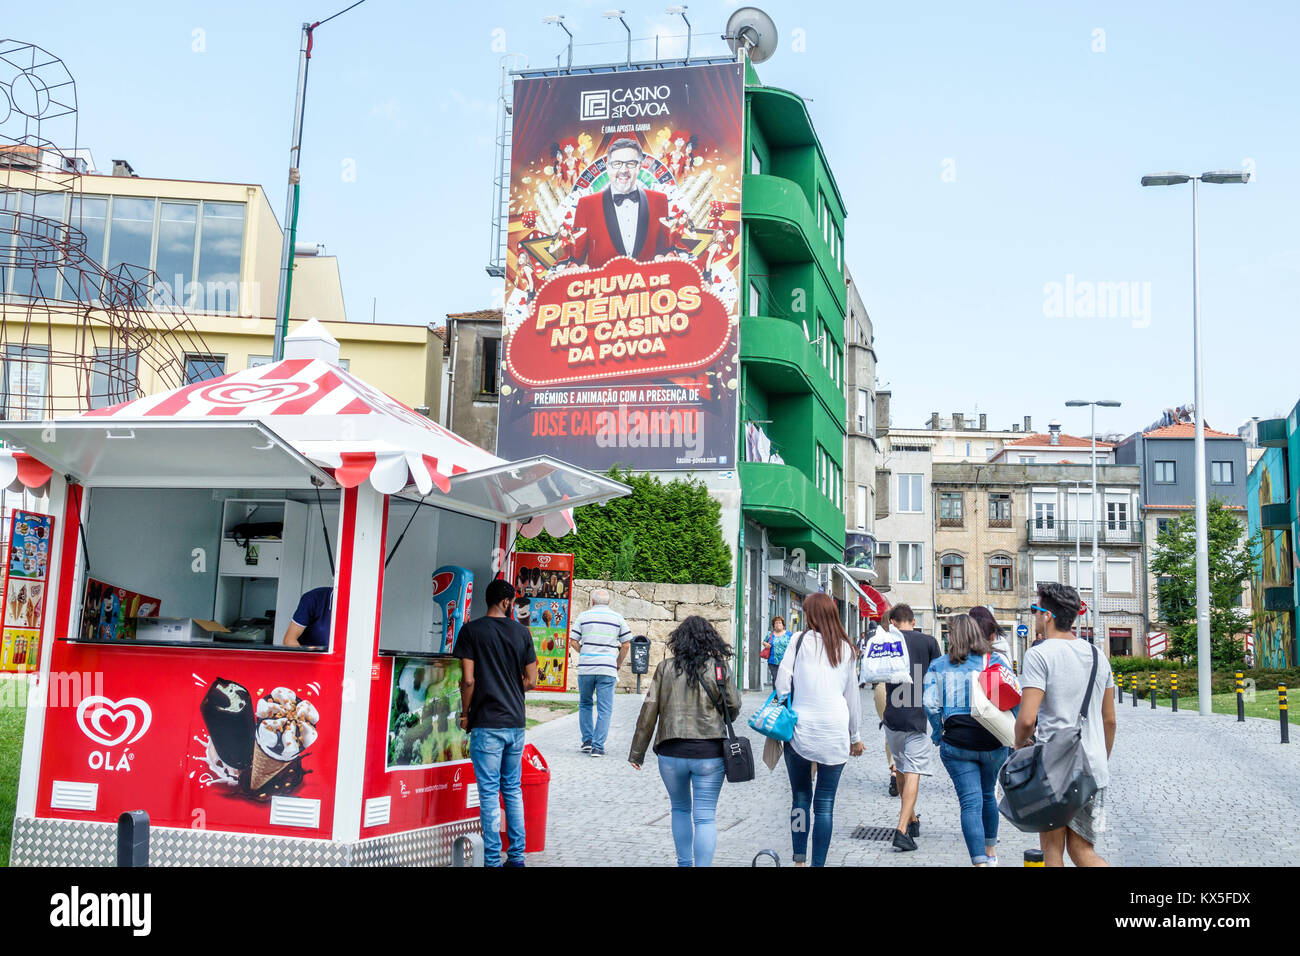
x=751 y=31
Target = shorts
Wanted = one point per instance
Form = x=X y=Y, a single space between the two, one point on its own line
x=913 y=752
x=1091 y=818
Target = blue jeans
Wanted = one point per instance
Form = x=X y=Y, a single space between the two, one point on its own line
x=602 y=686
x=806 y=805
x=975 y=773
x=498 y=757
x=693 y=786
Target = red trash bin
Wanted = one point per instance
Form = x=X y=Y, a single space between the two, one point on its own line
x=536 y=786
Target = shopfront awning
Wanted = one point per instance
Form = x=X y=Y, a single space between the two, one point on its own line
x=283 y=424
x=21 y=472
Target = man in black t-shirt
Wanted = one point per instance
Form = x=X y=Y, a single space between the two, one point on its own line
x=498 y=664
x=906 y=729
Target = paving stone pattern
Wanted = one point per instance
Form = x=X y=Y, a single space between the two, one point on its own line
x=1185 y=791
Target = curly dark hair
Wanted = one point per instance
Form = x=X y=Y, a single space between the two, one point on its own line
x=695 y=643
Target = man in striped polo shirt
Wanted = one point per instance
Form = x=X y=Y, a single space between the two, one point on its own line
x=601 y=636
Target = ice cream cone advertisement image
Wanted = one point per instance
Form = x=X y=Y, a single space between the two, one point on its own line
x=548 y=580
x=621 y=318
x=26 y=569
x=256 y=748
x=424 y=712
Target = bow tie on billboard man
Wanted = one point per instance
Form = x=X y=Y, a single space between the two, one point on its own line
x=623 y=219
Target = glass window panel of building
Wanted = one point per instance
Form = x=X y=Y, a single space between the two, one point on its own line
x=952 y=568
x=1000 y=572
x=221 y=246
x=201 y=368
x=113 y=377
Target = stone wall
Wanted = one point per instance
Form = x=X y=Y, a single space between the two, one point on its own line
x=655 y=610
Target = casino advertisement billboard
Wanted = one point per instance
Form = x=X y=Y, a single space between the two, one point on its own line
x=621 y=319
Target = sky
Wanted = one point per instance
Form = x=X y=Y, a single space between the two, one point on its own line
x=988 y=155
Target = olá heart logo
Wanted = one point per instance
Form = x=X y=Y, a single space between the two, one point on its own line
x=110 y=723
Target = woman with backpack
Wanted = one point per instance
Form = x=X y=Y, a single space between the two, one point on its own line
x=970 y=753
x=683 y=710
x=819 y=673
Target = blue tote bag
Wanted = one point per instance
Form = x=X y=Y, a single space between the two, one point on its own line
x=776 y=718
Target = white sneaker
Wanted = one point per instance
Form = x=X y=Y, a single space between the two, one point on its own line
x=993 y=861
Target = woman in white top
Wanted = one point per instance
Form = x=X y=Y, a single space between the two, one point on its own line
x=820 y=667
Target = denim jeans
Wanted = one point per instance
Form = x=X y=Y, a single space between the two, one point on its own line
x=498 y=757
x=975 y=774
x=806 y=805
x=602 y=686
x=693 y=786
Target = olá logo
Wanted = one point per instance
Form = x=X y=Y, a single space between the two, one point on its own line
x=110 y=724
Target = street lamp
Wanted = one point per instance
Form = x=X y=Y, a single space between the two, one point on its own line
x=1078 y=545
x=680 y=11
x=1104 y=403
x=1202 y=536
x=618 y=15
x=558 y=20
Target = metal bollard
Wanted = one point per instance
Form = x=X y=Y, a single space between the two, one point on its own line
x=1151 y=686
x=467 y=850
x=133 y=838
x=1241 y=699
x=769 y=853
x=1281 y=713
x=1173 y=692
x=1119 y=685
x=1133 y=688
x=1034 y=858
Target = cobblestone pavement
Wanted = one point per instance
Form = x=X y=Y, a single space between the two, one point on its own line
x=1185 y=791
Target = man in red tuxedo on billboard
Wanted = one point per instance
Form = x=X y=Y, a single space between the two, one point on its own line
x=622 y=219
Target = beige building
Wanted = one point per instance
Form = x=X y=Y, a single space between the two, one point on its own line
x=470 y=376
x=215 y=249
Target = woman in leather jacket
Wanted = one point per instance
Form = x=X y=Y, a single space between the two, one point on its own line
x=683 y=711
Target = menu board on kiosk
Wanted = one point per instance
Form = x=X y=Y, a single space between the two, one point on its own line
x=26 y=570
x=546 y=581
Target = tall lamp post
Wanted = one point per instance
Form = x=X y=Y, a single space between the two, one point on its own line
x=1078 y=546
x=1104 y=403
x=1202 y=535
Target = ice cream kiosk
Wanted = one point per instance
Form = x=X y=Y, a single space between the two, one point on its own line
x=225 y=511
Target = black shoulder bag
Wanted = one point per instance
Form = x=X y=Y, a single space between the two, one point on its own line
x=737 y=755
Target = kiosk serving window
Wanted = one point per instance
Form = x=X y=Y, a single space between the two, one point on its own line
x=201 y=566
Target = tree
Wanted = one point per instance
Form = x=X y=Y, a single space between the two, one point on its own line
x=1174 y=565
x=663 y=531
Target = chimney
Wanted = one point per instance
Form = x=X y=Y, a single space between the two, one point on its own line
x=958 y=422
x=934 y=421
x=1016 y=428
x=1054 y=431
x=1029 y=425
x=122 y=168
x=984 y=422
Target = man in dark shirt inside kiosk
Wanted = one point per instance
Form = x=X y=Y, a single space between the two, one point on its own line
x=498 y=664
x=310 y=626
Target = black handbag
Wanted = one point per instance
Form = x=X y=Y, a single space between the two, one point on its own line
x=1044 y=785
x=737 y=755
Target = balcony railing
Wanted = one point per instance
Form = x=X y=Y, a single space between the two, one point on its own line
x=1049 y=531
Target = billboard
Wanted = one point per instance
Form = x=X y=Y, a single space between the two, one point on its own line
x=621 y=319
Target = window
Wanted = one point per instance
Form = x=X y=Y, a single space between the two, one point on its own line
x=968 y=451
x=200 y=368
x=755 y=300
x=909 y=494
x=999 y=510
x=1045 y=515
x=90 y=215
x=989 y=451
x=1164 y=472
x=130 y=236
x=177 y=231
x=489 y=371
x=1000 y=572
x=1117 y=515
x=1046 y=569
x=755 y=163
x=113 y=377
x=1028 y=459
x=910 y=569
x=863 y=397
x=1119 y=576
x=1162 y=525
x=1221 y=472
x=952 y=573
x=1074 y=579
x=26 y=382
x=221 y=246
x=950 y=509
x=860 y=507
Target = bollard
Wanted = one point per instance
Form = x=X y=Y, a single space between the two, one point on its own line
x=133 y=838
x=467 y=850
x=1173 y=692
x=1034 y=858
x=1151 y=686
x=1241 y=699
x=1119 y=686
x=1133 y=689
x=1281 y=713
x=776 y=860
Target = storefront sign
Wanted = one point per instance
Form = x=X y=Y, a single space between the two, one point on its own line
x=620 y=339
x=546 y=581
x=26 y=570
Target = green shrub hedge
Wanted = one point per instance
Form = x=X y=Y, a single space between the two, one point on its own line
x=1223 y=682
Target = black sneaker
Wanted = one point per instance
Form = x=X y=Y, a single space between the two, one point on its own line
x=597 y=752
x=893 y=785
x=586 y=748
x=914 y=828
x=903 y=842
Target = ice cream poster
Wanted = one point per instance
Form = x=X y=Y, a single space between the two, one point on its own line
x=621 y=317
x=424 y=714
x=258 y=742
x=544 y=585
x=26 y=570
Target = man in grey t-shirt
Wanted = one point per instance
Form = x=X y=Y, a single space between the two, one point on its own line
x=1053 y=685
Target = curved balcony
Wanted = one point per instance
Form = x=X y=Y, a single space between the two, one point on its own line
x=795 y=513
x=781 y=361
